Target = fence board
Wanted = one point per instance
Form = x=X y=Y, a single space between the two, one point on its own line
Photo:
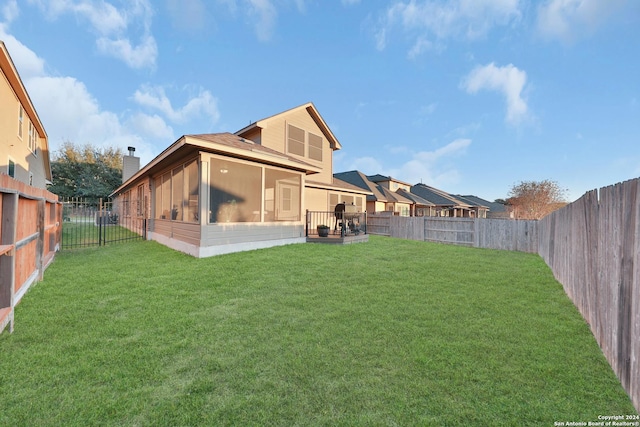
x=29 y=236
x=593 y=248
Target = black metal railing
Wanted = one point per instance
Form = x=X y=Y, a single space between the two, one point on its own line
x=88 y=223
x=327 y=223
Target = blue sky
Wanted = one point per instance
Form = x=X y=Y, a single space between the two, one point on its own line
x=470 y=96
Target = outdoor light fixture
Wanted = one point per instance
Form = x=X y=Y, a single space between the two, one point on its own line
x=224 y=170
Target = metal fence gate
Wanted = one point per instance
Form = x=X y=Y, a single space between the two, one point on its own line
x=88 y=223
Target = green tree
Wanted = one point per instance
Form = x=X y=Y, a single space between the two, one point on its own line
x=535 y=199
x=86 y=171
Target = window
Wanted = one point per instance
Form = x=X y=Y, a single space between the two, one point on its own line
x=32 y=137
x=20 y=117
x=315 y=147
x=295 y=141
x=11 y=170
x=191 y=192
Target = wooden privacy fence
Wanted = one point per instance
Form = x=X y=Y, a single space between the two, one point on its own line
x=29 y=237
x=515 y=235
x=593 y=248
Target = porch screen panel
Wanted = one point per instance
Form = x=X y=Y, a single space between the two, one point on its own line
x=177 y=208
x=235 y=192
x=282 y=196
x=164 y=193
x=190 y=200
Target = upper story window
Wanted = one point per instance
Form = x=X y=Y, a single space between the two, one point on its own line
x=304 y=144
x=20 y=119
x=33 y=138
x=295 y=141
x=315 y=147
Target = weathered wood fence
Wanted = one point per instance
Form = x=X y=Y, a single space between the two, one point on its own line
x=29 y=237
x=593 y=248
x=515 y=235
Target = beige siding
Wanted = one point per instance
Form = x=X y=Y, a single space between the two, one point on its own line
x=14 y=147
x=274 y=136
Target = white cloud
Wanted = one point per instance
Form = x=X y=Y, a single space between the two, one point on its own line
x=203 y=104
x=188 y=15
x=508 y=80
x=9 y=11
x=266 y=15
x=434 y=167
x=350 y=2
x=568 y=20
x=114 y=27
x=435 y=19
x=430 y=167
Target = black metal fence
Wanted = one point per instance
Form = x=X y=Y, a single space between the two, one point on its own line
x=88 y=223
x=324 y=224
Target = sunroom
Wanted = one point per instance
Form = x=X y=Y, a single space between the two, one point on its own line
x=220 y=193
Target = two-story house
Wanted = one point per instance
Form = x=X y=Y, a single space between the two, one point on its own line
x=218 y=193
x=24 y=148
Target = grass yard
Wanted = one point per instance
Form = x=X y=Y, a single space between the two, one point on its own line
x=384 y=333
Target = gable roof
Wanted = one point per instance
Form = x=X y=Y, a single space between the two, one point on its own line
x=415 y=198
x=226 y=144
x=438 y=197
x=11 y=73
x=382 y=178
x=493 y=206
x=359 y=179
x=313 y=112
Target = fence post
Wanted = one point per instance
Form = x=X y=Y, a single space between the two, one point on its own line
x=99 y=217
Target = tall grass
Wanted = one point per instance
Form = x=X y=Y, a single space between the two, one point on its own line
x=389 y=332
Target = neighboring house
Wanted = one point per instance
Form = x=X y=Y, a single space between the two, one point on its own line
x=448 y=205
x=218 y=193
x=386 y=193
x=496 y=210
x=24 y=147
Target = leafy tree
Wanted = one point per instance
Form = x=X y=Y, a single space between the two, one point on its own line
x=535 y=199
x=86 y=171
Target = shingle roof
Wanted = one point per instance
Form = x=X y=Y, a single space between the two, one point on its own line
x=435 y=196
x=359 y=179
x=493 y=206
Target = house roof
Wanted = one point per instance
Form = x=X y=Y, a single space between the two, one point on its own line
x=382 y=178
x=313 y=112
x=415 y=198
x=493 y=206
x=359 y=179
x=438 y=197
x=221 y=143
x=9 y=70
x=337 y=184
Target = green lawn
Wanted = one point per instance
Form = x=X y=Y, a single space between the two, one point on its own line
x=384 y=333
